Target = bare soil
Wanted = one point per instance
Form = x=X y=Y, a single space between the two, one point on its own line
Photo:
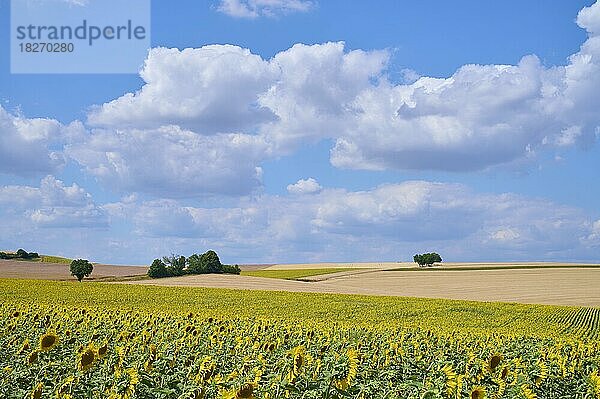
x=409 y=265
x=567 y=286
x=60 y=271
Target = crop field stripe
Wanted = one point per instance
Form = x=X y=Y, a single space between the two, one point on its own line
x=54 y=259
x=584 y=322
x=491 y=267
x=294 y=274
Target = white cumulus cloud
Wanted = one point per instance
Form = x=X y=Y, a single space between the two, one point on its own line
x=32 y=146
x=170 y=162
x=51 y=205
x=259 y=8
x=391 y=221
x=212 y=89
x=304 y=186
x=480 y=117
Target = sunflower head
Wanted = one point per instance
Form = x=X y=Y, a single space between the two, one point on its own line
x=298 y=354
x=87 y=358
x=478 y=393
x=48 y=341
x=494 y=361
x=25 y=347
x=36 y=392
x=134 y=378
x=245 y=392
x=33 y=357
x=103 y=350
x=527 y=392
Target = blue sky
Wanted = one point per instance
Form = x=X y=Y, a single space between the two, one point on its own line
x=293 y=130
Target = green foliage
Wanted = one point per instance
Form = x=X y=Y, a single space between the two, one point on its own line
x=211 y=262
x=81 y=268
x=176 y=265
x=21 y=254
x=231 y=269
x=195 y=265
x=158 y=269
x=427 y=259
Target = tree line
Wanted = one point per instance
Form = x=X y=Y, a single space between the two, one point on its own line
x=178 y=265
x=21 y=254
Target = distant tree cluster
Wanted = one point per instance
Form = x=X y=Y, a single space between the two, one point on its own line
x=21 y=254
x=177 y=265
x=425 y=260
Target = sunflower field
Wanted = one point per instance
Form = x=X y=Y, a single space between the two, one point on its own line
x=95 y=340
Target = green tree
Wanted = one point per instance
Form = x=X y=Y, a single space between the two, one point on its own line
x=231 y=269
x=427 y=259
x=195 y=265
x=175 y=264
x=81 y=268
x=21 y=253
x=211 y=263
x=158 y=269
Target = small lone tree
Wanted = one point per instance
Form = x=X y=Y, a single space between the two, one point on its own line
x=427 y=259
x=81 y=268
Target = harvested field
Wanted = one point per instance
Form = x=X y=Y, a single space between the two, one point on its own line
x=559 y=286
x=60 y=271
x=412 y=265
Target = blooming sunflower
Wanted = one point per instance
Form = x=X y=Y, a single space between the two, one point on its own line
x=87 y=358
x=451 y=382
x=36 y=392
x=478 y=393
x=246 y=391
x=48 y=341
x=351 y=371
x=103 y=350
x=298 y=355
x=494 y=361
x=64 y=387
x=124 y=385
x=542 y=373
x=595 y=383
x=25 y=347
x=527 y=392
x=33 y=357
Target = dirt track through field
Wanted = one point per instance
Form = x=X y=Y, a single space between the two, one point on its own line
x=572 y=286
